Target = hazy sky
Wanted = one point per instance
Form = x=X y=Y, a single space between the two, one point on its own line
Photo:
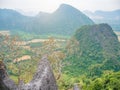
x=52 y=5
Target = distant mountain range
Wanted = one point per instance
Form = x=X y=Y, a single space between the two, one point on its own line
x=110 y=17
x=64 y=21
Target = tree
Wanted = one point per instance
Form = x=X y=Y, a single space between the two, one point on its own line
x=55 y=54
x=56 y=61
x=108 y=81
x=10 y=49
x=72 y=47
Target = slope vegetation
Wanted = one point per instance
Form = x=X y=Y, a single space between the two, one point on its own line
x=98 y=50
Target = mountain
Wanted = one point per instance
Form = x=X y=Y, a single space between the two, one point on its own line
x=98 y=51
x=27 y=13
x=64 y=21
x=11 y=19
x=110 y=17
x=97 y=36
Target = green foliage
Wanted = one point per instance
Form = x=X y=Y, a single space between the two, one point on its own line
x=109 y=81
x=66 y=82
x=23 y=70
x=97 y=51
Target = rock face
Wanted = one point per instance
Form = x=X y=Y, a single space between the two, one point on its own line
x=42 y=80
x=2 y=76
x=5 y=82
x=76 y=87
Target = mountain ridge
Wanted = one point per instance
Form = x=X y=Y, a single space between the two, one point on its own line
x=64 y=21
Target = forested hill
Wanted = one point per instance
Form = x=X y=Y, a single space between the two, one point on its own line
x=11 y=19
x=64 y=21
x=97 y=37
x=97 y=51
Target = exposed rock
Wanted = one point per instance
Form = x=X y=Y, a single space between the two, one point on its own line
x=5 y=82
x=10 y=83
x=76 y=87
x=42 y=80
x=3 y=86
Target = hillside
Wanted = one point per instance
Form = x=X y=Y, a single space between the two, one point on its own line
x=98 y=51
x=64 y=21
x=12 y=20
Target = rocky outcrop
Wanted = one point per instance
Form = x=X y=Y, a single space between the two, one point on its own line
x=42 y=80
x=5 y=82
x=76 y=87
x=2 y=76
